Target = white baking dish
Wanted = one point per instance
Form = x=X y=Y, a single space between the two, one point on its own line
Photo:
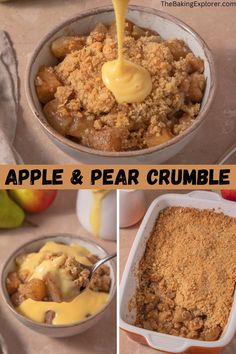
x=159 y=341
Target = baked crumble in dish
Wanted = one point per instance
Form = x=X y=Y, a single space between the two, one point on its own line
x=52 y=286
x=187 y=275
x=78 y=105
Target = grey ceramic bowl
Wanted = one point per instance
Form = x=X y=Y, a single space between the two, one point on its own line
x=57 y=330
x=168 y=27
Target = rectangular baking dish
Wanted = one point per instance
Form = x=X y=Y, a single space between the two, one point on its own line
x=159 y=341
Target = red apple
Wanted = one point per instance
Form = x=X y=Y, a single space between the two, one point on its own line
x=33 y=200
x=229 y=195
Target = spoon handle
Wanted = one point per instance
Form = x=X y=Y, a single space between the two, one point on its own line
x=103 y=260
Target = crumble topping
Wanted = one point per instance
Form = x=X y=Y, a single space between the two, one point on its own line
x=186 y=278
x=78 y=105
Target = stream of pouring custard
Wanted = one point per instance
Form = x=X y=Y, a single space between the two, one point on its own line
x=96 y=210
x=129 y=82
x=73 y=308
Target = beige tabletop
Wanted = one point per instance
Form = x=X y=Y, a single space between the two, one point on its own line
x=61 y=218
x=27 y=21
x=127 y=236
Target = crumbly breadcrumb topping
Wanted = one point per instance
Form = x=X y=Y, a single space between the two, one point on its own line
x=187 y=275
x=79 y=106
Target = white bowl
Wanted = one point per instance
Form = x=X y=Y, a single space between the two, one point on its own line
x=160 y=341
x=168 y=27
x=48 y=329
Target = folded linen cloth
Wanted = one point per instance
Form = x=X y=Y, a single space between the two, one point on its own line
x=9 y=99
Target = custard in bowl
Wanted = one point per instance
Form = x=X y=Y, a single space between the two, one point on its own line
x=49 y=286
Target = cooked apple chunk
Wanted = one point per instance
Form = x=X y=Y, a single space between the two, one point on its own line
x=35 y=289
x=58 y=117
x=107 y=139
x=154 y=140
x=65 y=45
x=46 y=84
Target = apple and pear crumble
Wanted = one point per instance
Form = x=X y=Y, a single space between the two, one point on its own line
x=79 y=106
x=52 y=286
x=187 y=275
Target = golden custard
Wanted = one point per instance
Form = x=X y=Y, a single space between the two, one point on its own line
x=96 y=211
x=60 y=294
x=129 y=82
x=89 y=302
x=39 y=267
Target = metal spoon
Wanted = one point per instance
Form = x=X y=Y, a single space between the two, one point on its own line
x=92 y=269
